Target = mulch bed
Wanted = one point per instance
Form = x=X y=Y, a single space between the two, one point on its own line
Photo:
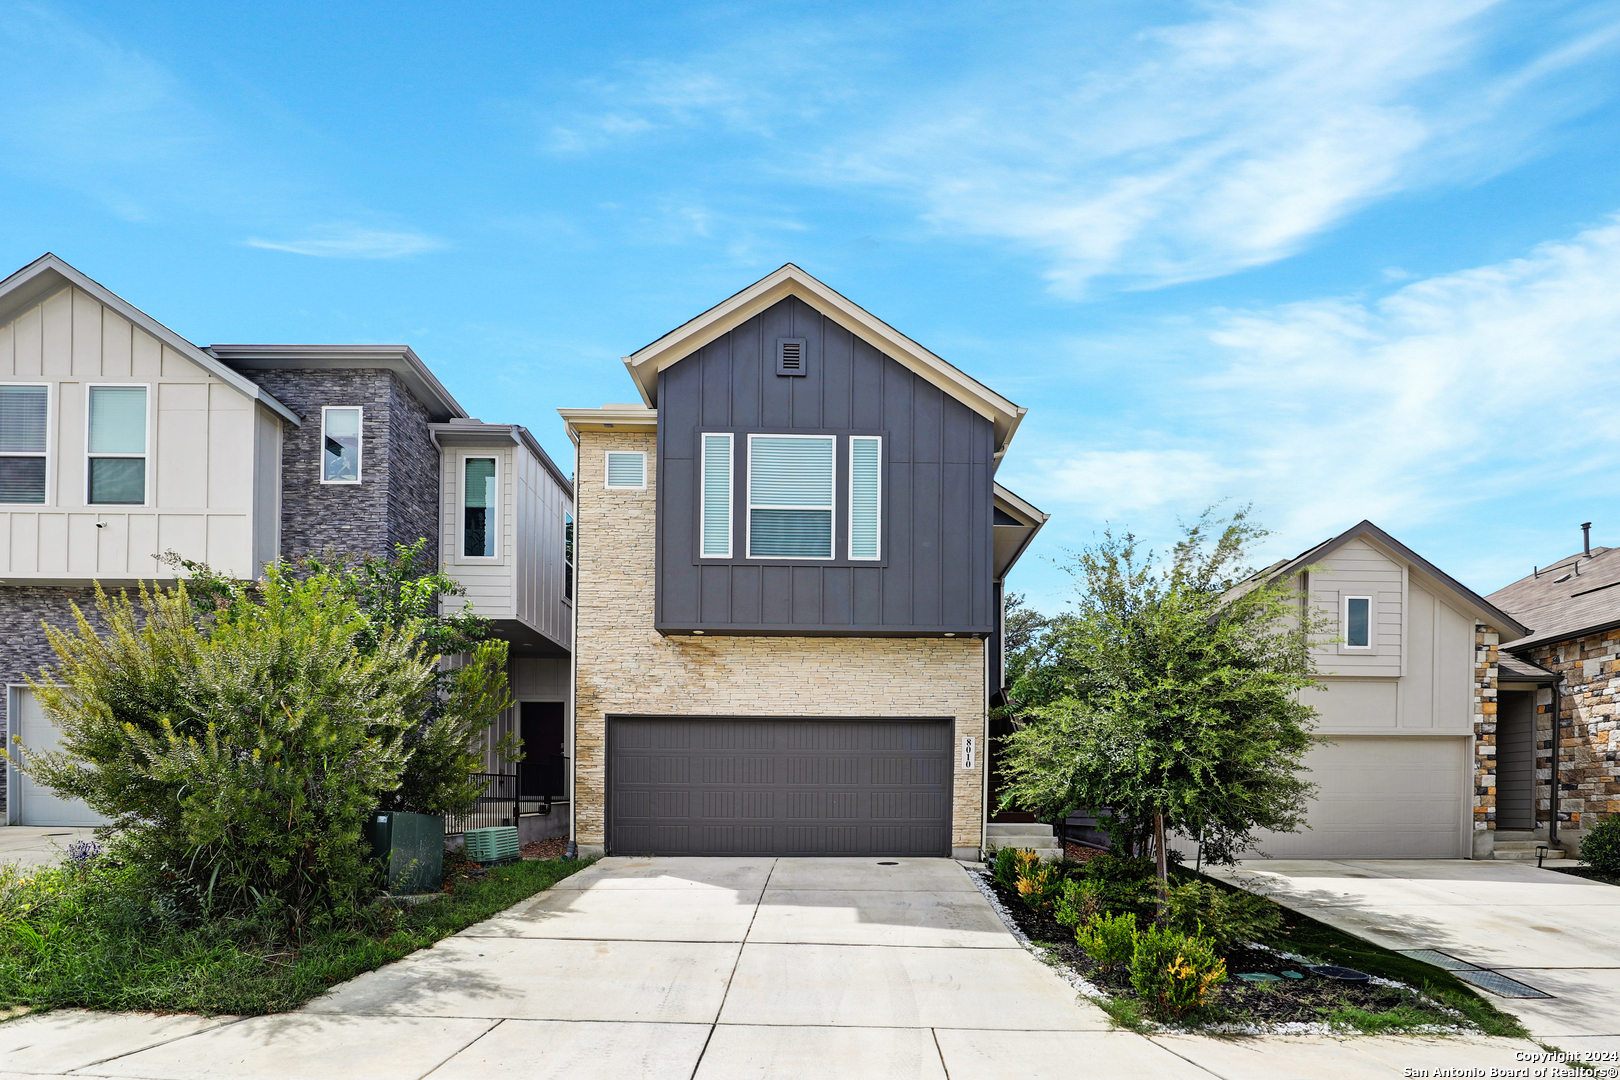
x=1081 y=853
x=1583 y=872
x=545 y=849
x=1307 y=1000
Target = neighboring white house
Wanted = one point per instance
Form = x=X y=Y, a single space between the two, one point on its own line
x=1407 y=713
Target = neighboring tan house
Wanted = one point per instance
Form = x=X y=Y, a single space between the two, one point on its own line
x=1569 y=664
x=120 y=441
x=1407 y=715
x=790 y=557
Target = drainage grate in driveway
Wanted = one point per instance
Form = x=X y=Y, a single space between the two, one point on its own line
x=1438 y=959
x=1500 y=985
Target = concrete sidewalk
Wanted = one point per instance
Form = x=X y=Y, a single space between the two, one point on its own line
x=710 y=969
x=1555 y=932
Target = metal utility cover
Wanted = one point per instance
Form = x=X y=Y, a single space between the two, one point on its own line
x=1500 y=985
x=690 y=785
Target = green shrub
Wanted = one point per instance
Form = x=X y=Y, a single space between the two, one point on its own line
x=1004 y=868
x=1110 y=940
x=1039 y=886
x=1079 y=903
x=1173 y=972
x=1600 y=847
x=1223 y=917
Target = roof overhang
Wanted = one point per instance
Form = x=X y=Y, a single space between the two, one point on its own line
x=645 y=363
x=1011 y=540
x=1506 y=625
x=609 y=418
x=476 y=433
x=48 y=275
x=399 y=359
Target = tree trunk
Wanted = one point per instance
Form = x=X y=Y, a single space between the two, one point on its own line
x=1162 y=867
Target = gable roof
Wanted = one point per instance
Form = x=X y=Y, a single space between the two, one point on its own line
x=645 y=363
x=1505 y=624
x=1012 y=536
x=1580 y=595
x=48 y=275
x=400 y=359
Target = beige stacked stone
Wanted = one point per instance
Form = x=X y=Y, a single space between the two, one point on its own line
x=1588 y=733
x=1487 y=643
x=624 y=666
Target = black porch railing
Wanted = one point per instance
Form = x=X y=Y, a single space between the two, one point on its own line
x=509 y=796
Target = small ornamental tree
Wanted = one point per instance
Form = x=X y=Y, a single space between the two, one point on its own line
x=1173 y=697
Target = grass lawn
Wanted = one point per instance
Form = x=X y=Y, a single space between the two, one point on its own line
x=68 y=940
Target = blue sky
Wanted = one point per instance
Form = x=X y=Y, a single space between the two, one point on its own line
x=1339 y=260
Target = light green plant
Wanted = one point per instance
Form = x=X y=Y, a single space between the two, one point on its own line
x=1110 y=940
x=1175 y=973
x=1080 y=901
x=1039 y=886
x=1224 y=917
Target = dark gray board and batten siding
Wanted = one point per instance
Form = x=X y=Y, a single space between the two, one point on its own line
x=934 y=574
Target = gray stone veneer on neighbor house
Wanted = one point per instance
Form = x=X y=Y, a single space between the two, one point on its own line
x=396 y=501
x=23 y=611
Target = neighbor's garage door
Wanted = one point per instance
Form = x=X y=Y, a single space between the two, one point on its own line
x=32 y=804
x=1383 y=797
x=708 y=786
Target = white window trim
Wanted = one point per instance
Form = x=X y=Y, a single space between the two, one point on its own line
x=703 y=494
x=878 y=557
x=359 y=446
x=146 y=451
x=50 y=439
x=1372 y=622
x=831 y=507
x=461 y=508
x=570 y=569
x=624 y=487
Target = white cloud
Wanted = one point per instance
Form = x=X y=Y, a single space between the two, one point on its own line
x=1432 y=404
x=350 y=242
x=1211 y=146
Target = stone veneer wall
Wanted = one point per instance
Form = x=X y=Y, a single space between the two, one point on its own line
x=396 y=500
x=1486 y=655
x=23 y=610
x=625 y=666
x=1588 y=733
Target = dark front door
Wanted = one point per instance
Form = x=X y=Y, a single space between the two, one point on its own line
x=1516 y=759
x=541 y=772
x=727 y=786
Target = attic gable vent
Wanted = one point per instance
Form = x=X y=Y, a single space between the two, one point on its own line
x=790 y=356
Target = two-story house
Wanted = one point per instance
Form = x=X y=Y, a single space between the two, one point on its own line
x=121 y=441
x=789 y=564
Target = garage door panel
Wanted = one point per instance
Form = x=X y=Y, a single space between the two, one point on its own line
x=1395 y=797
x=31 y=803
x=799 y=787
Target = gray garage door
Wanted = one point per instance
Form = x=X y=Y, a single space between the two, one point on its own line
x=710 y=786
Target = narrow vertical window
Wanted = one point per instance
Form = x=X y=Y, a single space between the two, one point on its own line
x=340 y=444
x=117 y=445
x=716 y=510
x=626 y=470
x=865 y=494
x=1358 y=622
x=568 y=556
x=480 y=508
x=790 y=496
x=24 y=430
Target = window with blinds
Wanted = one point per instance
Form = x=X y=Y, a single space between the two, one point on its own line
x=24 y=434
x=715 y=511
x=865 y=495
x=626 y=470
x=340 y=444
x=480 y=508
x=117 y=446
x=790 y=496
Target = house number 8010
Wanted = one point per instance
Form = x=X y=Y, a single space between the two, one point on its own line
x=970 y=752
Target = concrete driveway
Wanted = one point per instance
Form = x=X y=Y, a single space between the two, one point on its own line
x=1554 y=932
x=709 y=969
x=32 y=845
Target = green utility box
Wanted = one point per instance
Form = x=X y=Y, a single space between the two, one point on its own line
x=492 y=846
x=411 y=849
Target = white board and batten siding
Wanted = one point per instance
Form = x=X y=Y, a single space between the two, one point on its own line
x=524 y=580
x=210 y=451
x=1394 y=766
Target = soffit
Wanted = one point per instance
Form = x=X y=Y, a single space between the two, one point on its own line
x=400 y=359
x=645 y=364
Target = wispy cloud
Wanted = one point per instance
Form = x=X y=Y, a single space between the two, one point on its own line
x=1421 y=406
x=350 y=242
x=1215 y=145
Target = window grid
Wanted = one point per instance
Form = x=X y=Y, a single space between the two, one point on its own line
x=25 y=439
x=115 y=454
x=809 y=510
x=342 y=450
